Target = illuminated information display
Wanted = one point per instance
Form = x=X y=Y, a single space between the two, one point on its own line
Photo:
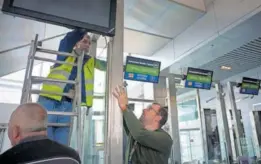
x=250 y=86
x=198 y=78
x=144 y=70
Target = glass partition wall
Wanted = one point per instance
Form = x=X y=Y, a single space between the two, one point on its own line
x=245 y=125
x=190 y=128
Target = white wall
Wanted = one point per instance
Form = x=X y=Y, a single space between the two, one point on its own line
x=6 y=111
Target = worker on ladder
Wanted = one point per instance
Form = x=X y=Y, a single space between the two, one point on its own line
x=76 y=41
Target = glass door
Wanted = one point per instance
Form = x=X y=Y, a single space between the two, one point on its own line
x=212 y=136
x=190 y=130
x=191 y=145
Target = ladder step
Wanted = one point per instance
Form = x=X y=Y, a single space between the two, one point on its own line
x=51 y=93
x=53 y=61
x=62 y=113
x=43 y=79
x=58 y=125
x=39 y=49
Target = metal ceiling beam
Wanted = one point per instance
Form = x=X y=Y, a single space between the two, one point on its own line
x=95 y=35
x=25 y=45
x=195 y=5
x=148 y=33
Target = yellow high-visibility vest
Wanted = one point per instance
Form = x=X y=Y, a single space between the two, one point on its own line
x=63 y=72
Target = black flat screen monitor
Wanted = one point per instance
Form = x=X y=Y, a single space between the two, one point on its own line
x=250 y=86
x=198 y=78
x=96 y=16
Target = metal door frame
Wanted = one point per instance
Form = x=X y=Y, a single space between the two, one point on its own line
x=256 y=142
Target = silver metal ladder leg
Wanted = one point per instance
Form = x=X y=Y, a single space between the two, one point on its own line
x=29 y=80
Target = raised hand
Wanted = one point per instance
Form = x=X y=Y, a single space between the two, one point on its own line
x=120 y=94
x=84 y=44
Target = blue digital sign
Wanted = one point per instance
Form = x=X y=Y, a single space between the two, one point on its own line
x=144 y=70
x=198 y=78
x=250 y=86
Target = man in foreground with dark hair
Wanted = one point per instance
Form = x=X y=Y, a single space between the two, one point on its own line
x=147 y=142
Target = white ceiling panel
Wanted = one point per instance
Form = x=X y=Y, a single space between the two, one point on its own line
x=142 y=44
x=16 y=31
x=162 y=17
x=238 y=36
x=175 y=20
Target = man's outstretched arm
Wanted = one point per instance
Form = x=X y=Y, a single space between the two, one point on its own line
x=157 y=140
x=100 y=64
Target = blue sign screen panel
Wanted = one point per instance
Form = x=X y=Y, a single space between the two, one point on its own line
x=143 y=70
x=198 y=78
x=250 y=86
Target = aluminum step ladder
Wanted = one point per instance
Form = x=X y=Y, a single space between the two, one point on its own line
x=29 y=80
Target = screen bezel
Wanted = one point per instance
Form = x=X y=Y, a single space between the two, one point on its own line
x=129 y=57
x=212 y=72
x=240 y=91
x=107 y=31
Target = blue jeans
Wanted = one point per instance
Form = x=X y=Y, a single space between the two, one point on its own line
x=59 y=134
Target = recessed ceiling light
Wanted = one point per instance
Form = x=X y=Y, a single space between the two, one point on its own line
x=225 y=67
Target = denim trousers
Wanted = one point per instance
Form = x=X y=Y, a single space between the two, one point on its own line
x=59 y=134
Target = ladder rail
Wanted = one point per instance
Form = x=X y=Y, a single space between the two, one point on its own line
x=35 y=91
x=29 y=81
x=53 y=61
x=43 y=50
x=62 y=113
x=58 y=124
x=72 y=119
x=28 y=72
x=39 y=79
x=78 y=96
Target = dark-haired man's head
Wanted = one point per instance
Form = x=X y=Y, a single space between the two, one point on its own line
x=154 y=116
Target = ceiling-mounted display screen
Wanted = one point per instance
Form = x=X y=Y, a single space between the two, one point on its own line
x=144 y=70
x=250 y=86
x=198 y=78
x=94 y=15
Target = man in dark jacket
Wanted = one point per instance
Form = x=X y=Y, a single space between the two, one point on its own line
x=148 y=142
x=28 y=136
